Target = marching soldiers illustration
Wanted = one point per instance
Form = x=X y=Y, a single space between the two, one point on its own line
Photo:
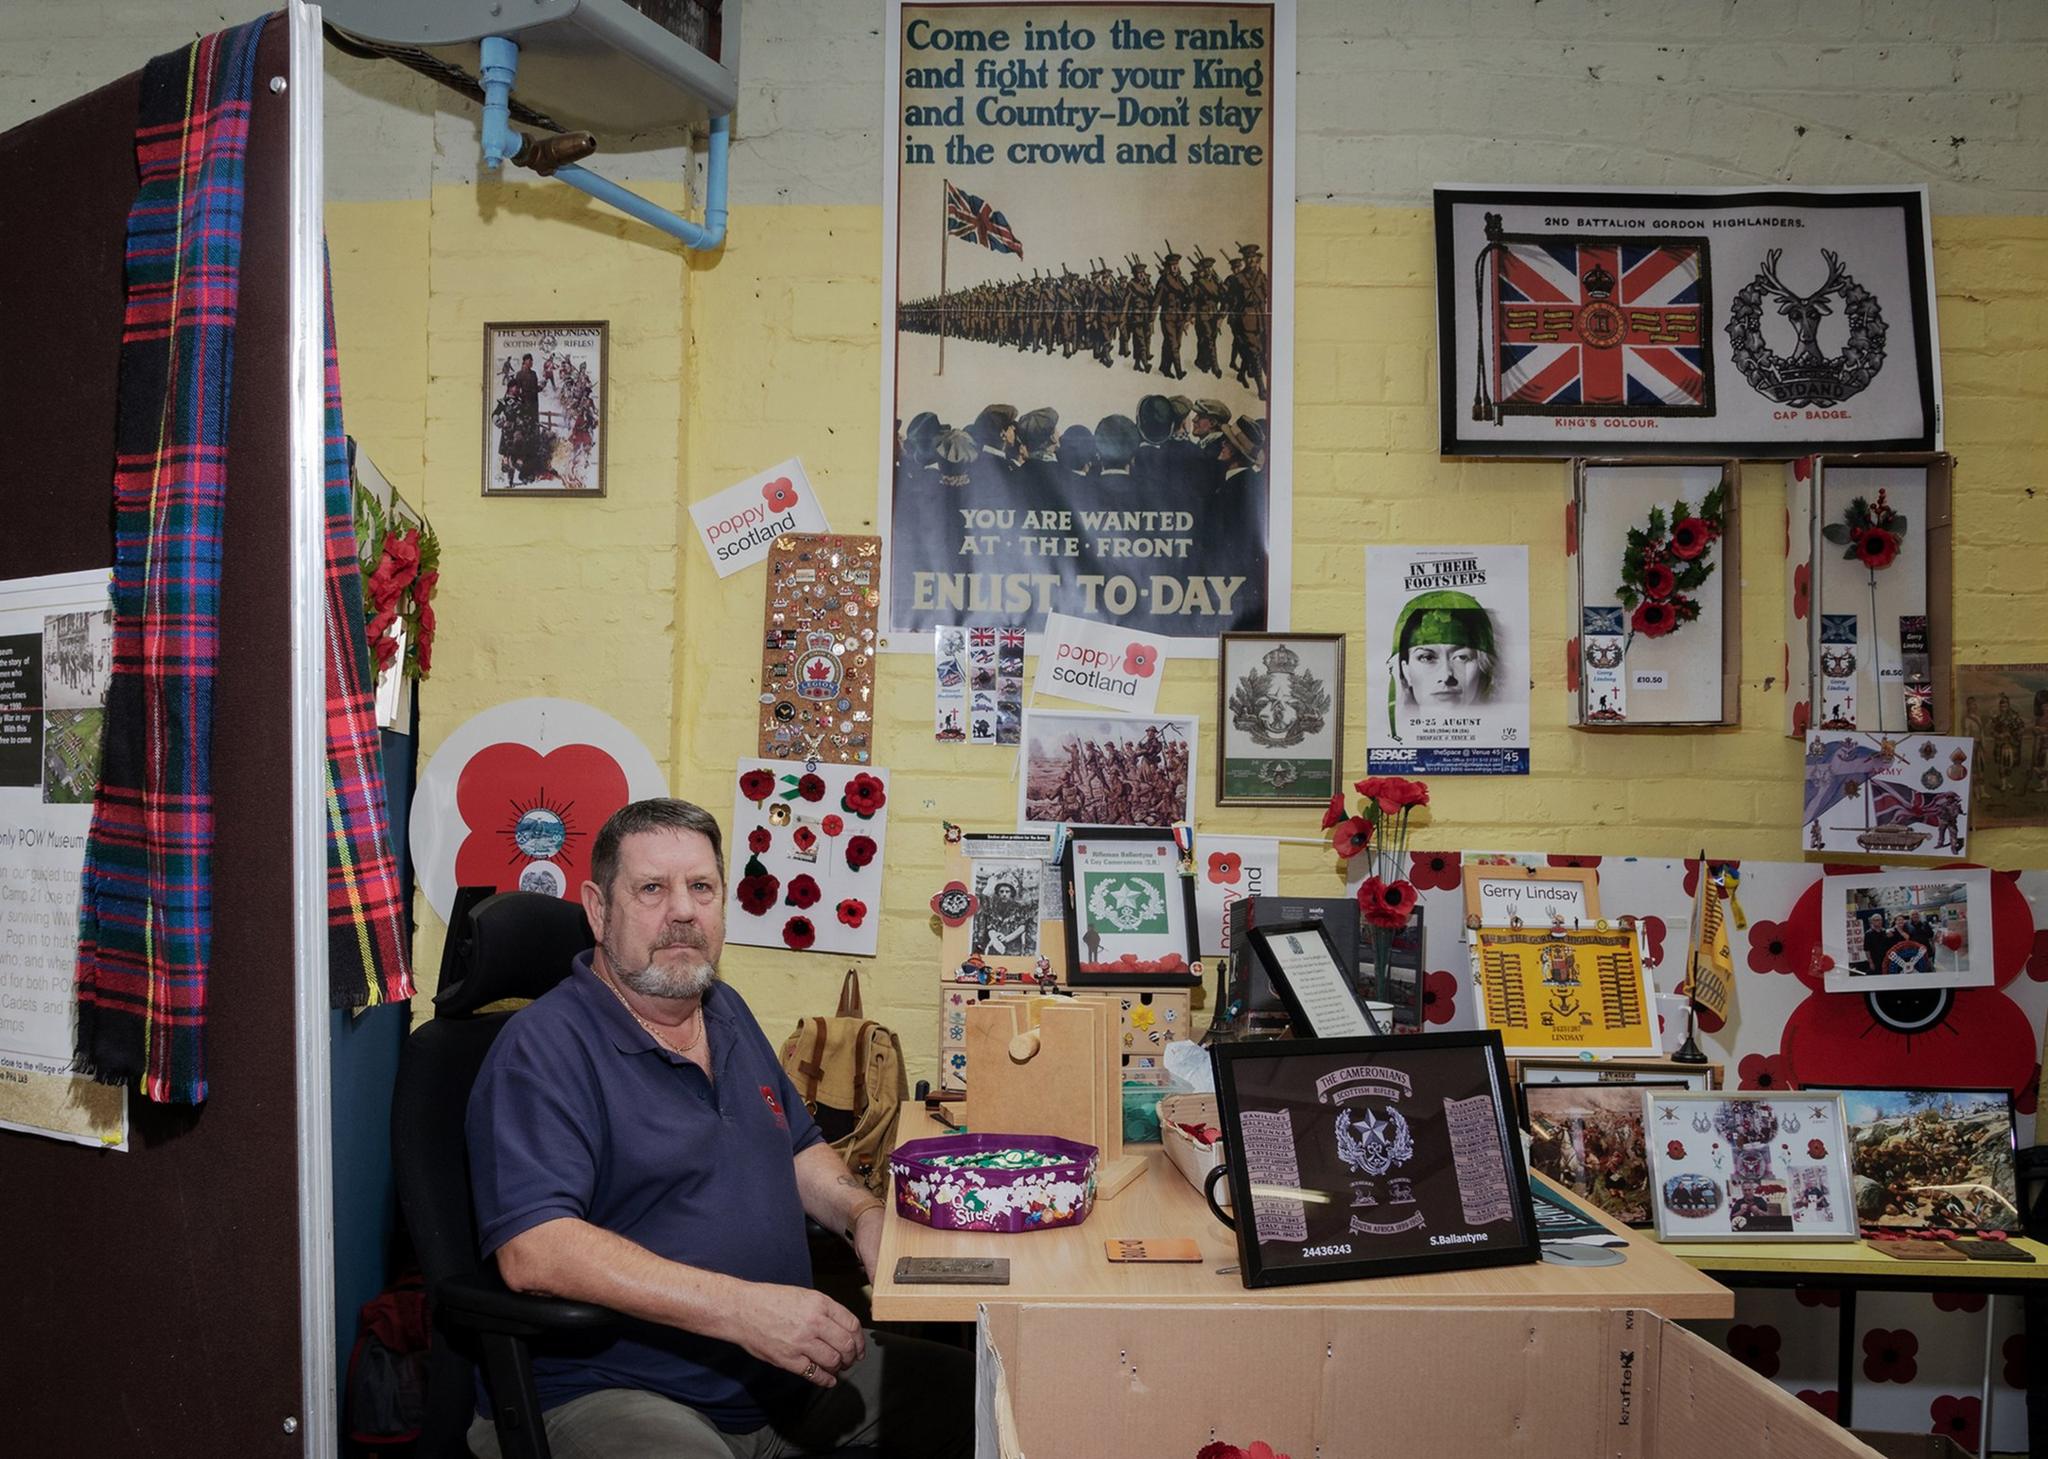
x=1111 y=313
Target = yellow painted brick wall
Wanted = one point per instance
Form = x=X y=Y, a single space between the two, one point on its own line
x=614 y=602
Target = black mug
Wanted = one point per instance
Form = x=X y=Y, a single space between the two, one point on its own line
x=1209 y=1195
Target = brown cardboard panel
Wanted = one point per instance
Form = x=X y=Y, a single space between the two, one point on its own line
x=1711 y=1407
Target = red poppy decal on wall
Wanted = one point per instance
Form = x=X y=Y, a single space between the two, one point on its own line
x=1434 y=871
x=527 y=811
x=1140 y=660
x=1756 y=1347
x=1439 y=997
x=1958 y=1416
x=1890 y=1355
x=1226 y=868
x=780 y=494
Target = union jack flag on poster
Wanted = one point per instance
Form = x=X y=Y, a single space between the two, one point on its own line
x=967 y=216
x=1616 y=325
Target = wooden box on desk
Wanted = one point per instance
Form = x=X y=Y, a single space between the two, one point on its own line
x=1151 y=1018
x=1078 y=1381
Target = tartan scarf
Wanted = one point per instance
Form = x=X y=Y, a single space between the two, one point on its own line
x=146 y=896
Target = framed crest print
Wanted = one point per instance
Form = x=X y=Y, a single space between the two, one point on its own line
x=1370 y=1156
x=1280 y=718
x=1749 y=1167
x=546 y=393
x=1130 y=909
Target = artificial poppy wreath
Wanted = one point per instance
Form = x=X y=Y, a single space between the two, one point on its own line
x=1668 y=561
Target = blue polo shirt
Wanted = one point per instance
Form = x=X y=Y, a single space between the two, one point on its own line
x=579 y=1112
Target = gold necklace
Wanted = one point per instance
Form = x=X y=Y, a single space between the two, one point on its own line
x=652 y=1031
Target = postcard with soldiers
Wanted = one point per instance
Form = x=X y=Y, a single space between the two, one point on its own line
x=1087 y=320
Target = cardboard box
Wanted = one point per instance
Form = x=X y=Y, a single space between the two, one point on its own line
x=1060 y=1381
x=1913 y=1446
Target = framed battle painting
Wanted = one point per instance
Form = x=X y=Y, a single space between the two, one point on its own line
x=1130 y=909
x=1367 y=1157
x=1280 y=718
x=1749 y=1167
x=545 y=403
x=1938 y=1160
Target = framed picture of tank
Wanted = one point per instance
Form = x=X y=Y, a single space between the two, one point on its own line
x=1280 y=718
x=546 y=393
x=1932 y=1159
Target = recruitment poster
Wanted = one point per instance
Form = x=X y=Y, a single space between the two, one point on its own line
x=1447 y=660
x=1088 y=275
x=56 y=657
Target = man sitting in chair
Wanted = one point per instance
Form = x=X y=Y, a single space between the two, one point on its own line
x=634 y=1142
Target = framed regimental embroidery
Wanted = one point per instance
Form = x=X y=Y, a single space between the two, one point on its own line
x=1749 y=1167
x=1130 y=909
x=1888 y=930
x=1280 y=718
x=1903 y=797
x=1751 y=322
x=1653 y=549
x=1870 y=641
x=1371 y=1156
x=1554 y=990
x=1933 y=1159
x=818 y=647
x=1508 y=893
x=546 y=390
x=1304 y=967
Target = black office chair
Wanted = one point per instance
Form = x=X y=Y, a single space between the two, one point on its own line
x=512 y=945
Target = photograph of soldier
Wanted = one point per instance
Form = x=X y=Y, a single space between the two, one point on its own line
x=1006 y=912
x=545 y=432
x=1107 y=770
x=2004 y=707
x=1046 y=304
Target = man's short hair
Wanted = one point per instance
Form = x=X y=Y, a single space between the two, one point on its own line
x=661 y=813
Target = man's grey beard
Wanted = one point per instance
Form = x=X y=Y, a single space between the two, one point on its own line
x=653 y=981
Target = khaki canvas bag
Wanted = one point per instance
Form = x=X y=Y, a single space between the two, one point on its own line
x=848 y=1070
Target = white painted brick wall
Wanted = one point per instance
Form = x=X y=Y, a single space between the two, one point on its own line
x=1394 y=95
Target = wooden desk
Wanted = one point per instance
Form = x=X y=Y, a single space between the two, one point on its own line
x=1068 y=1265
x=1850 y=1267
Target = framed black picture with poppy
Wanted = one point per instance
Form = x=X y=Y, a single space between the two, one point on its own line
x=1279 y=718
x=1365 y=1157
x=1130 y=909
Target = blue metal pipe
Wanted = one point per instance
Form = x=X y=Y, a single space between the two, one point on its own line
x=500 y=66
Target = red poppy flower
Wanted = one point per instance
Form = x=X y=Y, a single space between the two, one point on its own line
x=1336 y=811
x=1818 y=1296
x=757 y=785
x=1584 y=863
x=1225 y=867
x=1875 y=547
x=779 y=494
x=1659 y=581
x=1351 y=837
x=1652 y=619
x=860 y=851
x=2015 y=1352
x=799 y=933
x=423 y=586
x=1802 y=717
x=1141 y=659
x=1816 y=1150
x=1763 y=1071
x=1690 y=536
x=1435 y=871
x=1439 y=997
x=1774 y=949
x=1890 y=1355
x=522 y=806
x=865 y=794
x=756 y=894
x=853 y=911
x=1674 y=1149
x=1802 y=589
x=832 y=825
x=953 y=904
x=804 y=837
x=803 y=891
x=1959 y=1301
x=1393 y=792
x=811 y=787
x=1802 y=468
x=1958 y=1416
x=1756 y=1347
x=758 y=840
x=1825 y=1402
x=1385 y=904
x=1654 y=931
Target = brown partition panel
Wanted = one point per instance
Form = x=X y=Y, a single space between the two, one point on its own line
x=155 y=1294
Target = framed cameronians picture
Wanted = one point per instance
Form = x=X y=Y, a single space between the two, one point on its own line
x=1280 y=718
x=546 y=396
